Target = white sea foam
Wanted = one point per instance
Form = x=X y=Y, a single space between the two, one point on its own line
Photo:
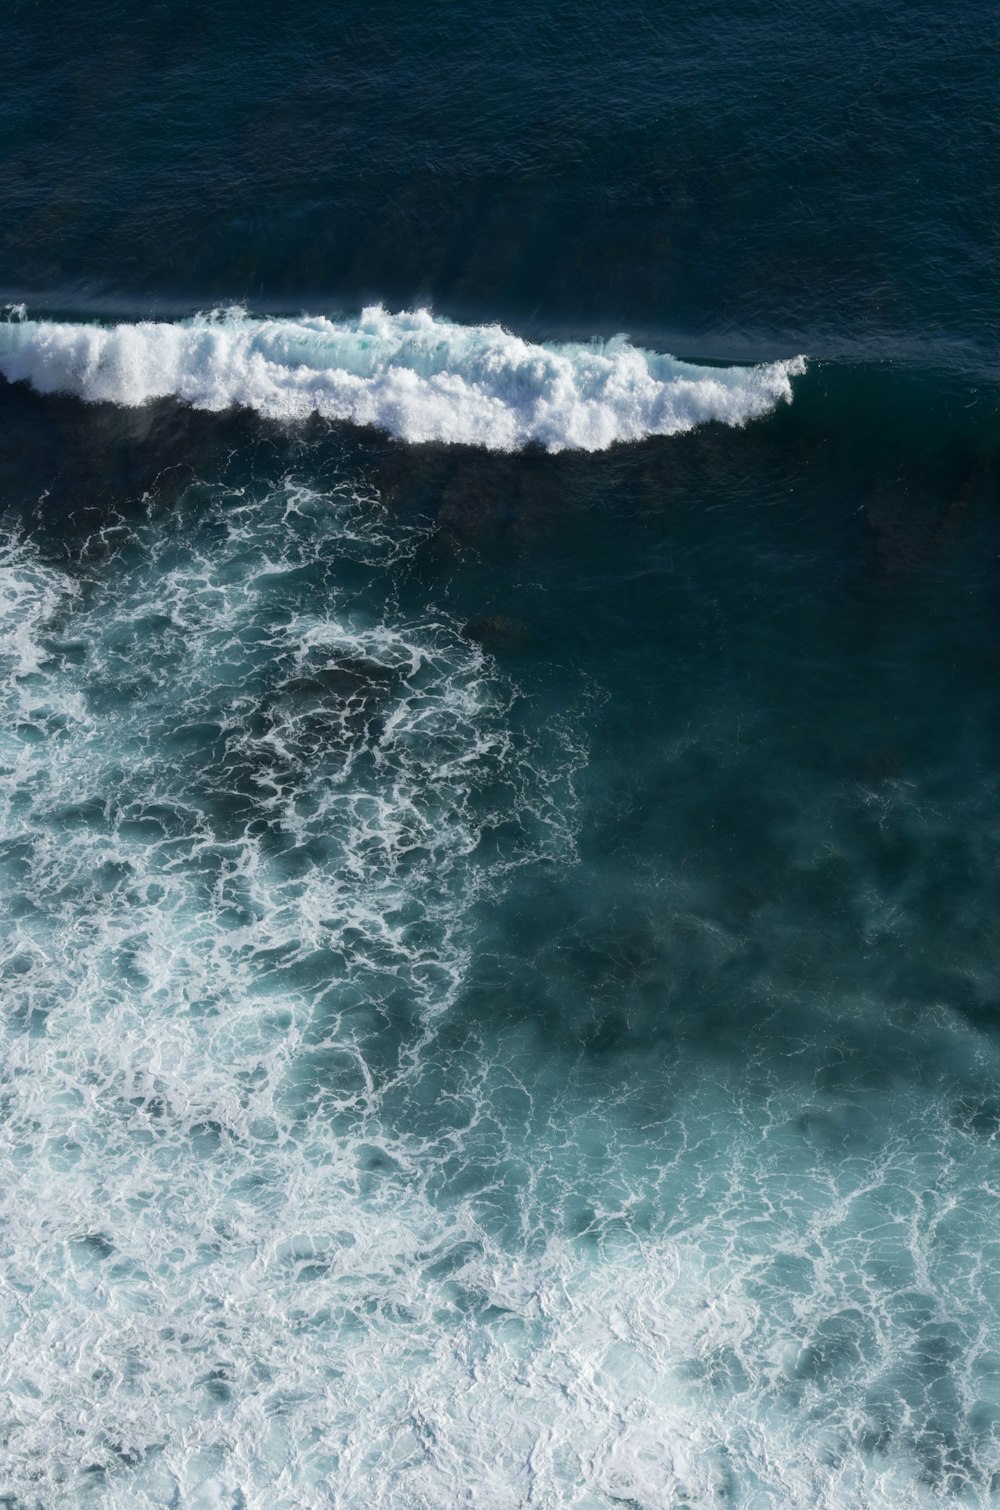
x=276 y=1229
x=417 y=376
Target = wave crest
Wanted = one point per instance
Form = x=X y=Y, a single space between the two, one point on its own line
x=419 y=377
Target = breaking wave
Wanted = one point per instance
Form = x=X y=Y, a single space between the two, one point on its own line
x=417 y=376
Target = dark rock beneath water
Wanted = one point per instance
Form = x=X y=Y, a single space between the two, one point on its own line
x=497 y=632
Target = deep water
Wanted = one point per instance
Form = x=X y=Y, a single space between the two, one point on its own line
x=498 y=824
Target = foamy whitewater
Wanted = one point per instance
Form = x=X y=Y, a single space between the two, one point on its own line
x=290 y=1215
x=414 y=375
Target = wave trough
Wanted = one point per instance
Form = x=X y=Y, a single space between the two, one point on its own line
x=412 y=374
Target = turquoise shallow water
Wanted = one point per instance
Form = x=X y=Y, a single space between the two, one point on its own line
x=497 y=823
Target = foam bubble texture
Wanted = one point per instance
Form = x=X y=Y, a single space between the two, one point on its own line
x=284 y=1223
x=417 y=376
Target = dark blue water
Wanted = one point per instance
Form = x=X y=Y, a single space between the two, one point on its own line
x=498 y=823
x=754 y=174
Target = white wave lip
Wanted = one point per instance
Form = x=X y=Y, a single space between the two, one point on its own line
x=416 y=376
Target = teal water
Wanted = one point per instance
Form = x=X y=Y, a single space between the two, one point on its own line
x=498 y=822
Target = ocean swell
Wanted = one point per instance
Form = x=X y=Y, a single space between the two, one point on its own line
x=419 y=377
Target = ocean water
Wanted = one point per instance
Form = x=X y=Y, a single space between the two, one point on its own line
x=499 y=650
